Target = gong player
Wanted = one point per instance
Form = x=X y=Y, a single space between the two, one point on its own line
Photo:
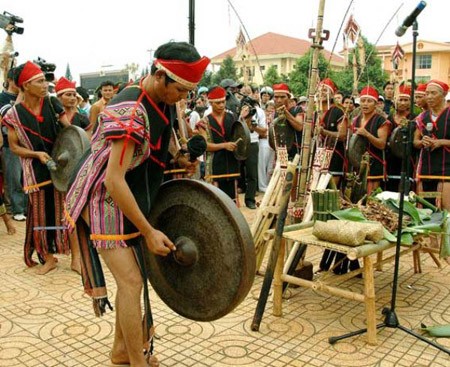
x=432 y=137
x=33 y=125
x=111 y=196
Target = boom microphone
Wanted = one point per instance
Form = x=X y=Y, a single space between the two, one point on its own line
x=409 y=20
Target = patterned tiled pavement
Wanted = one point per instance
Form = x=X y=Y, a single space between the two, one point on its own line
x=47 y=321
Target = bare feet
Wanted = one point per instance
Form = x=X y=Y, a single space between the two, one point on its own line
x=49 y=265
x=119 y=358
x=11 y=229
x=75 y=265
x=152 y=361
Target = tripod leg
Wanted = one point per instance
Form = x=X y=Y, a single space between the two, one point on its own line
x=428 y=341
x=334 y=339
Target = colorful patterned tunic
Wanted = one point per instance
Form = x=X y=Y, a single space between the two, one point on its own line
x=131 y=115
x=44 y=232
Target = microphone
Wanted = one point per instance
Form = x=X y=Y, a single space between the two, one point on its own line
x=409 y=20
x=13 y=54
x=427 y=132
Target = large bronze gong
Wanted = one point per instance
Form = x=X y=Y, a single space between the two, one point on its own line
x=240 y=133
x=356 y=148
x=396 y=142
x=213 y=268
x=70 y=145
x=281 y=133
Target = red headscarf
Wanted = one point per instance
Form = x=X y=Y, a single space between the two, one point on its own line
x=369 y=92
x=64 y=85
x=281 y=88
x=217 y=94
x=29 y=72
x=187 y=73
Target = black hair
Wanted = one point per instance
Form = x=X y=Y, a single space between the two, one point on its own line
x=175 y=51
x=386 y=84
x=10 y=74
x=106 y=83
x=83 y=93
x=16 y=74
x=348 y=97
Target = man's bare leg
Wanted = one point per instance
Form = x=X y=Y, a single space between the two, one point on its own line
x=119 y=353
x=122 y=264
x=10 y=228
x=50 y=264
x=75 y=264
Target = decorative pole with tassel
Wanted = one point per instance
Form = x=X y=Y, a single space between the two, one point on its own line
x=318 y=38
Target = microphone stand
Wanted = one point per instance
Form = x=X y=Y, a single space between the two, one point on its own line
x=390 y=317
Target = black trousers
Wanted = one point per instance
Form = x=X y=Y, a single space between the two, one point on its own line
x=251 y=173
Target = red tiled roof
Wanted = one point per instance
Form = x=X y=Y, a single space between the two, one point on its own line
x=276 y=44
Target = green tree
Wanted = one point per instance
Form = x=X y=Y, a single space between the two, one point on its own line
x=68 y=72
x=372 y=74
x=206 y=79
x=271 y=76
x=227 y=71
x=299 y=77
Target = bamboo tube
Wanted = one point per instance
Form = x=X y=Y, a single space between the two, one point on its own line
x=292 y=228
x=307 y=126
x=369 y=301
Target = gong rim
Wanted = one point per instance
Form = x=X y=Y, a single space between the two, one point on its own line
x=356 y=149
x=213 y=286
x=73 y=142
x=241 y=130
x=396 y=142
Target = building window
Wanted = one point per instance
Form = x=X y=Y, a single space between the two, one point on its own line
x=262 y=67
x=424 y=62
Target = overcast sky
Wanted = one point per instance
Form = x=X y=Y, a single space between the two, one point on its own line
x=92 y=34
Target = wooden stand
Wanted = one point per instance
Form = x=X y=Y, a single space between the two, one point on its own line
x=325 y=283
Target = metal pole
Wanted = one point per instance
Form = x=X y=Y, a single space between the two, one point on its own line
x=192 y=22
x=413 y=72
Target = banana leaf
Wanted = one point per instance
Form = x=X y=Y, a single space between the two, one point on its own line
x=408 y=208
x=439 y=331
x=353 y=214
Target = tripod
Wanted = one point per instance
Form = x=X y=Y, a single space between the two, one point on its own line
x=390 y=317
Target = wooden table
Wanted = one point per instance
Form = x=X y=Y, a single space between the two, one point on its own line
x=305 y=237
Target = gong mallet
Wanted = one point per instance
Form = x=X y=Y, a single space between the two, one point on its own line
x=281 y=220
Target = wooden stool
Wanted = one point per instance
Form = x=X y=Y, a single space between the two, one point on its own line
x=303 y=234
x=434 y=238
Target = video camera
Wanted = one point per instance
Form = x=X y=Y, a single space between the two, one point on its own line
x=250 y=102
x=47 y=68
x=10 y=19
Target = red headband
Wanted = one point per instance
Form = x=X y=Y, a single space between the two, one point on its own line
x=186 y=73
x=439 y=84
x=281 y=88
x=29 y=72
x=64 y=85
x=217 y=94
x=421 y=88
x=369 y=92
x=328 y=83
x=404 y=91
